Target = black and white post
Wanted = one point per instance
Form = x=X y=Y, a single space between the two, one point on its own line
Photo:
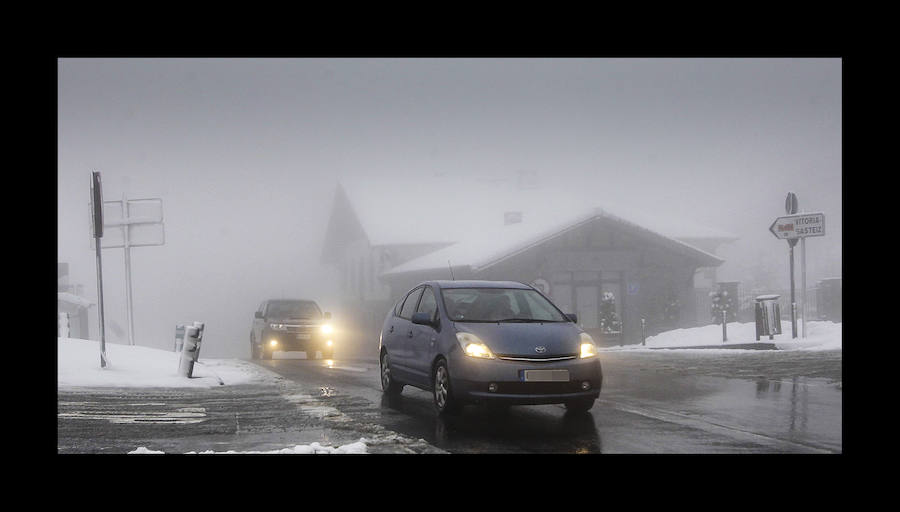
x=97 y=226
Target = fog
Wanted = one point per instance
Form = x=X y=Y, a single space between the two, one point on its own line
x=246 y=155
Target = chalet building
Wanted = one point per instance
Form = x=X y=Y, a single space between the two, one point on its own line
x=382 y=248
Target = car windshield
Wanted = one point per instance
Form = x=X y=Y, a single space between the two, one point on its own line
x=499 y=305
x=282 y=309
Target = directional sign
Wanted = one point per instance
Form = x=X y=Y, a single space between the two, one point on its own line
x=799 y=226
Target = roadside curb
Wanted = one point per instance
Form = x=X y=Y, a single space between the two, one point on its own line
x=738 y=346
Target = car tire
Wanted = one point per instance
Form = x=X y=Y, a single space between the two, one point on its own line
x=580 y=405
x=388 y=384
x=444 y=401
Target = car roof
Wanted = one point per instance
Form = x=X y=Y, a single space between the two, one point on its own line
x=291 y=300
x=479 y=284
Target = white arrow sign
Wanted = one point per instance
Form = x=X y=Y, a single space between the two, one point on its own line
x=799 y=226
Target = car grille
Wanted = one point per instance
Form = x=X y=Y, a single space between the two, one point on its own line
x=299 y=329
x=543 y=359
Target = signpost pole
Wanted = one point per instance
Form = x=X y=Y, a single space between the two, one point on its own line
x=803 y=307
x=97 y=211
x=791 y=243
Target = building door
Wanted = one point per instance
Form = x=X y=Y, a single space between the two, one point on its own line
x=587 y=303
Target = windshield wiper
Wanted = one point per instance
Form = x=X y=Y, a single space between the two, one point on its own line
x=522 y=320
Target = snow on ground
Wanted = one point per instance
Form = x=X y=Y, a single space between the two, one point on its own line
x=78 y=364
x=358 y=447
x=820 y=336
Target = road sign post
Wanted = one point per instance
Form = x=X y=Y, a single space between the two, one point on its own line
x=97 y=228
x=791 y=244
x=798 y=227
x=803 y=307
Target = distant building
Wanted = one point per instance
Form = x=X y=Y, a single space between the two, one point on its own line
x=382 y=246
x=72 y=308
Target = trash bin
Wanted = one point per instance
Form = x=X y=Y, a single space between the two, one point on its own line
x=768 y=316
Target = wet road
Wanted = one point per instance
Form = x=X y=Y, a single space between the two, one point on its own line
x=651 y=402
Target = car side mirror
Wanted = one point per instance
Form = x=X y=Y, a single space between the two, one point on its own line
x=328 y=315
x=422 y=318
x=573 y=317
x=258 y=314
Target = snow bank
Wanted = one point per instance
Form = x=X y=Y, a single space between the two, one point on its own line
x=78 y=364
x=820 y=336
x=358 y=447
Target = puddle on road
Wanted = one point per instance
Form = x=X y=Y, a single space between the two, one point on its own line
x=801 y=410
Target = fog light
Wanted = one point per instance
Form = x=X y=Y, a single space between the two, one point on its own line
x=273 y=343
x=492 y=387
x=586 y=385
x=328 y=343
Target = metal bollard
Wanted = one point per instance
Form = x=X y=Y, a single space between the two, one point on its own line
x=190 y=351
x=643 y=336
x=179 y=338
x=724 y=326
x=201 y=326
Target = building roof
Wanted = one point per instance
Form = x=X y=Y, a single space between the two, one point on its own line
x=73 y=299
x=490 y=245
x=444 y=209
x=469 y=213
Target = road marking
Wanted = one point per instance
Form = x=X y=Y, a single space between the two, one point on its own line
x=185 y=415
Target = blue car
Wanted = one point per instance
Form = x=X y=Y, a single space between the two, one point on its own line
x=487 y=342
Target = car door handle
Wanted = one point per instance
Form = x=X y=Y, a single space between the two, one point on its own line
x=410 y=334
x=391 y=329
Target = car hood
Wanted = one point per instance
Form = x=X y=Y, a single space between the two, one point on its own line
x=521 y=339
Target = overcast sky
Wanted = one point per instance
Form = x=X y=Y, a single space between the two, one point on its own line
x=245 y=154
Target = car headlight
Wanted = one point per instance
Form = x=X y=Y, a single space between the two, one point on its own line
x=278 y=327
x=327 y=329
x=473 y=346
x=588 y=348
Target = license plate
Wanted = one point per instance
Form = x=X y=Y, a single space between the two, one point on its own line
x=303 y=336
x=546 y=375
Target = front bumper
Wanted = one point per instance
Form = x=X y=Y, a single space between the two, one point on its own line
x=288 y=341
x=472 y=377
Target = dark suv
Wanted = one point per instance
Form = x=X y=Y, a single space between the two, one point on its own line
x=291 y=325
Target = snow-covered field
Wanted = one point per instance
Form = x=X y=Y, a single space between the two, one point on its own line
x=820 y=336
x=78 y=364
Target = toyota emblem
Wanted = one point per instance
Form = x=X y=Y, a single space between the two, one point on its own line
x=540 y=350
